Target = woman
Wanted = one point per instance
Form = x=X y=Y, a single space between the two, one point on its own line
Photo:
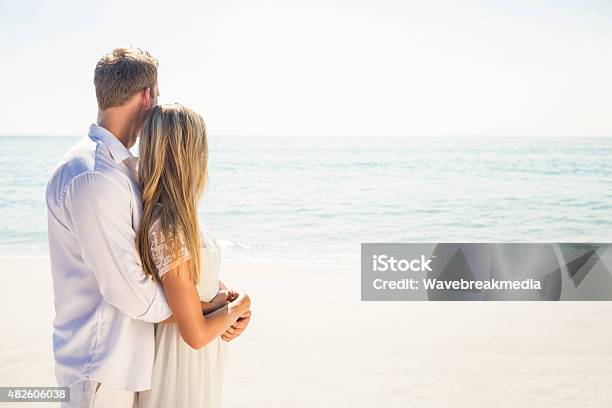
x=190 y=355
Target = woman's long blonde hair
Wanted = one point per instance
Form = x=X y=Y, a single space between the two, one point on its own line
x=173 y=172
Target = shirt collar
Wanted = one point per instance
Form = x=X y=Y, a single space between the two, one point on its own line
x=117 y=150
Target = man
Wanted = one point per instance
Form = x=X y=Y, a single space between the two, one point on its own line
x=103 y=338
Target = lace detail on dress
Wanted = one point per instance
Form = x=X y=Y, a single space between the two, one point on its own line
x=161 y=250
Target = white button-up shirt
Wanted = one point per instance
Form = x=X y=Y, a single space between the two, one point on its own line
x=105 y=306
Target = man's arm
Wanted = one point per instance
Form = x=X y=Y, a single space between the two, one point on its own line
x=219 y=301
x=100 y=215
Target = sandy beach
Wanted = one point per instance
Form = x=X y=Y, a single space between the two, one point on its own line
x=313 y=343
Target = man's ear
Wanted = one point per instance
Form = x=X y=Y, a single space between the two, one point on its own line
x=146 y=98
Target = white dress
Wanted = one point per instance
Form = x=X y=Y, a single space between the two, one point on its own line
x=184 y=377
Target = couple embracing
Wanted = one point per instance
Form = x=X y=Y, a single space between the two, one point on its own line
x=142 y=319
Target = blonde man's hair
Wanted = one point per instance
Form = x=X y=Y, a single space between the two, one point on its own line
x=123 y=73
x=172 y=171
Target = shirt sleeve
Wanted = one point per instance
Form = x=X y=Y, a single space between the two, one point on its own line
x=100 y=214
x=162 y=253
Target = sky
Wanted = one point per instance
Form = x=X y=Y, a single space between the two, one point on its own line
x=337 y=67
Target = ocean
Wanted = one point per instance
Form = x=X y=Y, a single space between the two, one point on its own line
x=317 y=198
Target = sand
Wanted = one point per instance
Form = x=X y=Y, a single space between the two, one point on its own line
x=313 y=343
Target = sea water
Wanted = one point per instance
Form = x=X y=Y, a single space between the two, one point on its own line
x=317 y=198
